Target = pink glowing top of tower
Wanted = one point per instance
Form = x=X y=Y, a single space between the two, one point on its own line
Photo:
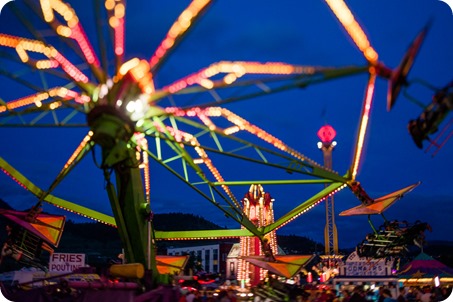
x=327 y=133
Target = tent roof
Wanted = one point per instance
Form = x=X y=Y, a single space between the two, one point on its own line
x=425 y=266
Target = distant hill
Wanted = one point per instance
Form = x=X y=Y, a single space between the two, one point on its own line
x=297 y=245
x=101 y=242
x=4 y=205
x=440 y=250
x=180 y=221
x=101 y=239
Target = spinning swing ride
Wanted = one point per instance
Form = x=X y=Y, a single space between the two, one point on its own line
x=67 y=81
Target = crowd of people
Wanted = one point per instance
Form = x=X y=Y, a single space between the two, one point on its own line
x=208 y=296
x=357 y=294
x=383 y=294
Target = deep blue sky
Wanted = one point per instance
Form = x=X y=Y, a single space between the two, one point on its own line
x=297 y=32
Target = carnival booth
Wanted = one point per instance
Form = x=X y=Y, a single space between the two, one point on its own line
x=370 y=273
x=425 y=270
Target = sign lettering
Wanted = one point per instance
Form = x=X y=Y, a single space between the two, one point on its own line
x=66 y=262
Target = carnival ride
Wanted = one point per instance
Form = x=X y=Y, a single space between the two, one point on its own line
x=392 y=238
x=260 y=256
x=134 y=122
x=431 y=118
x=35 y=232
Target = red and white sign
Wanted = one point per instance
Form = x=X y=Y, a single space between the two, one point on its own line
x=66 y=262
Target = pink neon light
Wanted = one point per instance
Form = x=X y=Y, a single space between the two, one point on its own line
x=364 y=123
x=184 y=82
x=327 y=133
x=159 y=54
x=70 y=69
x=177 y=30
x=78 y=34
x=175 y=111
x=119 y=37
x=81 y=99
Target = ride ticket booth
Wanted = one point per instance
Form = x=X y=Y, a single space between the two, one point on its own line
x=370 y=273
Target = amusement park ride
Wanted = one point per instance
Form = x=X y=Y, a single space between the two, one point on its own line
x=134 y=122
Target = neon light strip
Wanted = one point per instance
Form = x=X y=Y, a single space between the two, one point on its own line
x=177 y=30
x=303 y=208
x=235 y=70
x=48 y=51
x=240 y=124
x=363 y=123
x=55 y=201
x=73 y=29
x=13 y=178
x=345 y=16
x=79 y=35
x=39 y=97
x=119 y=38
x=46 y=64
x=116 y=11
x=79 y=149
x=146 y=172
x=142 y=143
x=70 y=69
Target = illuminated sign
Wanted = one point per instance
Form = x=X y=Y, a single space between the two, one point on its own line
x=357 y=266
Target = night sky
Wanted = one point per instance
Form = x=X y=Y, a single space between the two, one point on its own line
x=296 y=32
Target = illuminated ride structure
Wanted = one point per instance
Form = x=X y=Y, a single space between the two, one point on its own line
x=429 y=121
x=66 y=83
x=327 y=144
x=392 y=238
x=258 y=257
x=328 y=266
x=37 y=232
x=258 y=207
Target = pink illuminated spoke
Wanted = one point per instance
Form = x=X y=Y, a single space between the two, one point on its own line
x=177 y=31
x=354 y=29
x=368 y=101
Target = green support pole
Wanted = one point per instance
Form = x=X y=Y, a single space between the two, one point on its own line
x=127 y=197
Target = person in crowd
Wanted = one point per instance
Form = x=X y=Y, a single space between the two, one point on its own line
x=334 y=296
x=358 y=295
x=210 y=297
x=380 y=294
x=387 y=295
x=345 y=296
x=232 y=295
x=223 y=296
x=183 y=297
x=190 y=296
x=267 y=250
x=402 y=295
x=425 y=294
x=445 y=292
x=323 y=297
x=411 y=295
x=7 y=249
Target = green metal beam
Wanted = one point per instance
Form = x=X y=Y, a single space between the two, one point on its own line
x=203 y=234
x=302 y=207
x=56 y=201
x=273 y=182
